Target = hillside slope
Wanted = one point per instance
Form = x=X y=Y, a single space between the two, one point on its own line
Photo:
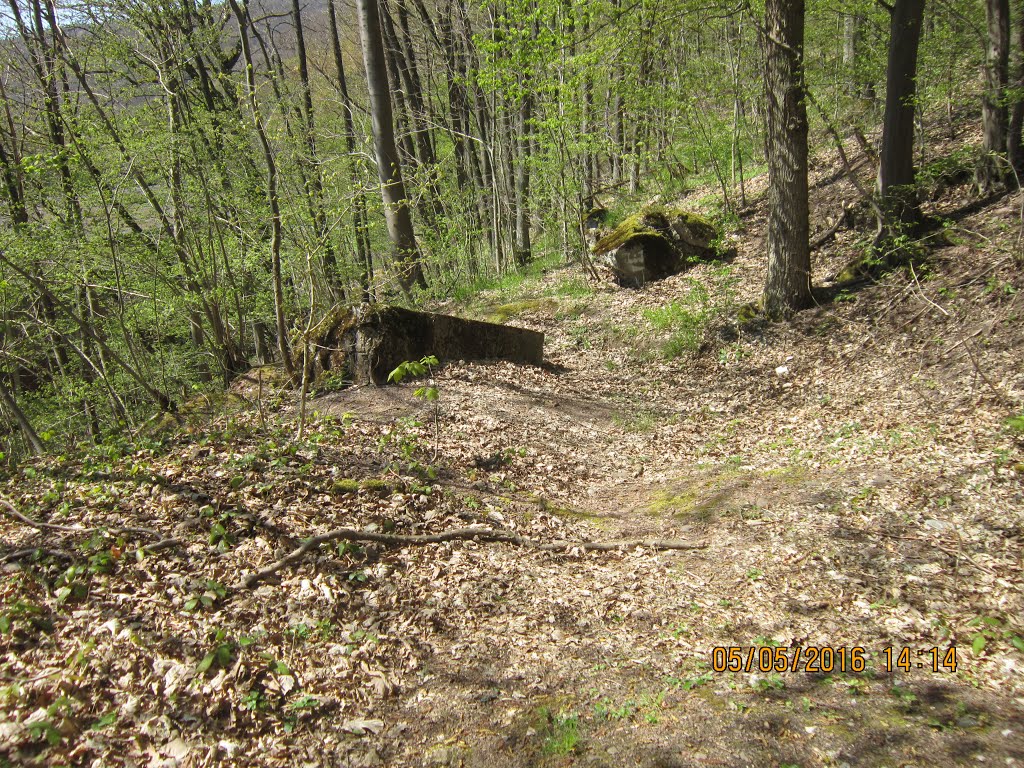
x=847 y=480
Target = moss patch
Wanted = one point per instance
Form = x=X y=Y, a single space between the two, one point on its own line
x=505 y=312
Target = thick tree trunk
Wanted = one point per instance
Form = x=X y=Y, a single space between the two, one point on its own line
x=896 y=192
x=396 y=205
x=992 y=168
x=788 y=284
x=1015 y=137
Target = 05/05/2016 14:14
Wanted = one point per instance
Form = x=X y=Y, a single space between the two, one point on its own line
x=827 y=659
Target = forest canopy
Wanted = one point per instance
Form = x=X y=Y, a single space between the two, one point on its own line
x=188 y=186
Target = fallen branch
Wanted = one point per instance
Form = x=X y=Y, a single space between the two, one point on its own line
x=23 y=554
x=11 y=511
x=460 y=534
x=829 y=233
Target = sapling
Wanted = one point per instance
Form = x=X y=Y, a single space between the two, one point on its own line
x=421 y=367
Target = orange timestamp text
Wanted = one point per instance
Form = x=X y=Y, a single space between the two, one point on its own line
x=827 y=659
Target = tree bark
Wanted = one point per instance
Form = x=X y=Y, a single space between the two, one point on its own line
x=897 y=196
x=992 y=169
x=1015 y=136
x=31 y=437
x=788 y=284
x=364 y=258
x=396 y=204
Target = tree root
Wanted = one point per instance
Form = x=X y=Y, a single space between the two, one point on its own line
x=460 y=534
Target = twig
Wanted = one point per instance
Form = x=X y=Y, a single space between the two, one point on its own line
x=459 y=534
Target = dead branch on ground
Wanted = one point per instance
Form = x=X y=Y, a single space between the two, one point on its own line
x=488 y=535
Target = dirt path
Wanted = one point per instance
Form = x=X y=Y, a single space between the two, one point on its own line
x=847 y=501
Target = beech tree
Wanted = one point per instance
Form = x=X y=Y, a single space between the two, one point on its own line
x=992 y=168
x=396 y=203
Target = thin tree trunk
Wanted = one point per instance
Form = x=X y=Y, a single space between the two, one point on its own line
x=364 y=260
x=315 y=182
x=31 y=437
x=396 y=204
x=523 y=247
x=242 y=18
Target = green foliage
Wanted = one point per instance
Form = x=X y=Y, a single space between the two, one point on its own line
x=560 y=731
x=222 y=654
x=1015 y=424
x=990 y=629
x=685 y=324
x=211 y=592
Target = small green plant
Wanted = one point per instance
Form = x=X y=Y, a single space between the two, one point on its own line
x=1015 y=424
x=773 y=682
x=71 y=585
x=689 y=683
x=211 y=592
x=606 y=709
x=989 y=629
x=255 y=701
x=24 y=612
x=561 y=732
x=684 y=324
x=220 y=537
x=414 y=368
x=222 y=655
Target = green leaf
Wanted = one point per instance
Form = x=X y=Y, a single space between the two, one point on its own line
x=236 y=482
x=207 y=662
x=107 y=720
x=978 y=643
x=1017 y=643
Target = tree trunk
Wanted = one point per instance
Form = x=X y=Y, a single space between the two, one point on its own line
x=896 y=192
x=991 y=171
x=1015 y=137
x=242 y=17
x=315 y=182
x=788 y=284
x=31 y=437
x=396 y=205
x=364 y=259
x=523 y=248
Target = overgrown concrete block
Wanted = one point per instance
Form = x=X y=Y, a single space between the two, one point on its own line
x=365 y=344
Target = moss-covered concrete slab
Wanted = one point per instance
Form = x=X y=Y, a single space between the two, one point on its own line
x=365 y=344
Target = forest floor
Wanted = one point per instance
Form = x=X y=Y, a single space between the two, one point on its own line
x=849 y=480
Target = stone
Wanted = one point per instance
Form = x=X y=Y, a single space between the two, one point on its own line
x=655 y=243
